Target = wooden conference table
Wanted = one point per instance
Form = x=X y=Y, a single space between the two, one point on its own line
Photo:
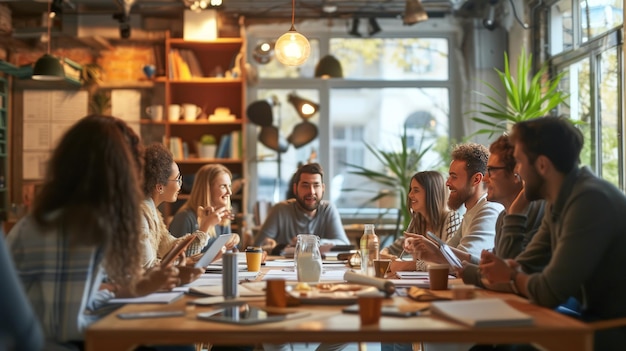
x=551 y=330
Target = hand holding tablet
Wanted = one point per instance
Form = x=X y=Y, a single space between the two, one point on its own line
x=177 y=250
x=213 y=250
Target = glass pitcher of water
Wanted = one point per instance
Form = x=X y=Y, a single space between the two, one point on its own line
x=308 y=259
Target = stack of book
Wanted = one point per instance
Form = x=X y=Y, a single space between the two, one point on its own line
x=184 y=65
x=230 y=146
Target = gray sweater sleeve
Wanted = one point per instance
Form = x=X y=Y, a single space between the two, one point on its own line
x=517 y=229
x=334 y=232
x=184 y=222
x=18 y=324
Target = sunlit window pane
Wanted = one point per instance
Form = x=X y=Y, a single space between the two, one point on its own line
x=577 y=83
x=609 y=103
x=392 y=59
x=380 y=115
x=598 y=16
x=562 y=30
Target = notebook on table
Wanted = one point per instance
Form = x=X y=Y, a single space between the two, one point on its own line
x=481 y=313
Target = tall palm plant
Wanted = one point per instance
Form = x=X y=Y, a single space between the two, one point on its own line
x=523 y=98
x=398 y=168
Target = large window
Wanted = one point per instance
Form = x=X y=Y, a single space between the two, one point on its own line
x=390 y=85
x=593 y=66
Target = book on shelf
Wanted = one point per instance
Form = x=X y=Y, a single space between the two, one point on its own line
x=481 y=313
x=176 y=148
x=235 y=144
x=223 y=149
x=189 y=57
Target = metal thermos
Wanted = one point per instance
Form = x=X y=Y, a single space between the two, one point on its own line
x=229 y=276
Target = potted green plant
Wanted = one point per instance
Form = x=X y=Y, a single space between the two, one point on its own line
x=520 y=97
x=207 y=146
x=398 y=168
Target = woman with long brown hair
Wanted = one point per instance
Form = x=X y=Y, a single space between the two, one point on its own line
x=427 y=199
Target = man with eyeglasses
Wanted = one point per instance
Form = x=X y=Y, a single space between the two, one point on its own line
x=519 y=221
x=477 y=231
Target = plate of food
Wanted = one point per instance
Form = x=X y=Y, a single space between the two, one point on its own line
x=330 y=293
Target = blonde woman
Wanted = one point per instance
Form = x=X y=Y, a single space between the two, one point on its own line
x=210 y=196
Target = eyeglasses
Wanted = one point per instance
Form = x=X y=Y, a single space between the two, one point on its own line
x=489 y=169
x=178 y=179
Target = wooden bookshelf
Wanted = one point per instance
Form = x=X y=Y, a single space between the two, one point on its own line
x=215 y=57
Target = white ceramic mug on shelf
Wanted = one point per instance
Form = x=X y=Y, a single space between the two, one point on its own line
x=174 y=112
x=155 y=112
x=191 y=112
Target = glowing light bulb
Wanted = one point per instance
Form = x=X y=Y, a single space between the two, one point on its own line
x=292 y=48
x=307 y=109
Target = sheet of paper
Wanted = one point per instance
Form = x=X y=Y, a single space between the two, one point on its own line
x=327 y=275
x=34 y=164
x=126 y=104
x=405 y=283
x=158 y=297
x=279 y=263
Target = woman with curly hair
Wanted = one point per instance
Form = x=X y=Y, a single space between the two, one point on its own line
x=85 y=226
x=210 y=193
x=162 y=183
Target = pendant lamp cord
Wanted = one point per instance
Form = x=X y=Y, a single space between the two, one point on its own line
x=293 y=15
x=49 y=24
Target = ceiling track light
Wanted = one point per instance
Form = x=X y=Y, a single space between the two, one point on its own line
x=414 y=12
x=354 y=30
x=263 y=52
x=292 y=48
x=373 y=27
x=489 y=21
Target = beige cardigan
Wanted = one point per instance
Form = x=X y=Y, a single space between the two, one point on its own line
x=157 y=240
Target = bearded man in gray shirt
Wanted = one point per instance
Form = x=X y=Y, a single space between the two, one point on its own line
x=307 y=213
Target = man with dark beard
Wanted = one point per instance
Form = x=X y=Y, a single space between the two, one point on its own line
x=306 y=213
x=580 y=246
x=477 y=231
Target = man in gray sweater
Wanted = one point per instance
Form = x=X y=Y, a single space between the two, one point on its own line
x=307 y=213
x=581 y=243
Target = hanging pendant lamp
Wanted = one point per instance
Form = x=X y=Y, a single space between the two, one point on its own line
x=48 y=67
x=292 y=48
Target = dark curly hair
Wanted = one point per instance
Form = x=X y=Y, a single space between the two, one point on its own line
x=158 y=166
x=474 y=155
x=98 y=205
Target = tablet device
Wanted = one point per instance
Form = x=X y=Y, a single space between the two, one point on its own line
x=447 y=252
x=150 y=314
x=213 y=250
x=177 y=250
x=386 y=310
